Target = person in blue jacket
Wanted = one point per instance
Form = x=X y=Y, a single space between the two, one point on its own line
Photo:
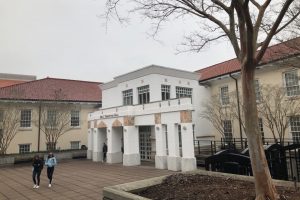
x=50 y=163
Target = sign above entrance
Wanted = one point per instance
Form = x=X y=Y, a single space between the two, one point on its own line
x=109 y=116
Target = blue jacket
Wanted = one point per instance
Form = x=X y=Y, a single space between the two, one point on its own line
x=51 y=162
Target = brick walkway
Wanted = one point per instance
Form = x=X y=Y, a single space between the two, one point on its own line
x=74 y=179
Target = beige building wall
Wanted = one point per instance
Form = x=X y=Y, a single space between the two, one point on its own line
x=267 y=75
x=30 y=135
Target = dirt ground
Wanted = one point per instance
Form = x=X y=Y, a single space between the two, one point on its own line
x=200 y=187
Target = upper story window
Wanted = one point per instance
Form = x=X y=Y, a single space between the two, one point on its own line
x=127 y=97
x=144 y=94
x=1 y=115
x=257 y=91
x=25 y=118
x=75 y=119
x=51 y=117
x=224 y=94
x=184 y=92
x=165 y=92
x=291 y=83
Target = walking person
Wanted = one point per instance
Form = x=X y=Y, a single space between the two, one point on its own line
x=50 y=163
x=37 y=165
x=104 y=149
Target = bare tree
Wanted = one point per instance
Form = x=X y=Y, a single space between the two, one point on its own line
x=275 y=108
x=55 y=120
x=216 y=113
x=10 y=115
x=250 y=26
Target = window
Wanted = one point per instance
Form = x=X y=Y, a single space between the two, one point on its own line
x=291 y=83
x=24 y=148
x=295 y=128
x=75 y=122
x=51 y=146
x=227 y=130
x=127 y=97
x=257 y=91
x=1 y=115
x=224 y=95
x=165 y=92
x=75 y=144
x=144 y=94
x=261 y=128
x=25 y=118
x=183 y=92
x=51 y=117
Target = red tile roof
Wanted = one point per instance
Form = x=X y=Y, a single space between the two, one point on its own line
x=272 y=54
x=5 y=83
x=50 y=89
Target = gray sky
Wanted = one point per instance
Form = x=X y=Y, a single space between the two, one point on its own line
x=68 y=39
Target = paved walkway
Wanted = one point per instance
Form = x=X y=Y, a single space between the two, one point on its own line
x=74 y=179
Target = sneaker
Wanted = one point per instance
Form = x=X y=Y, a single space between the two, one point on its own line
x=34 y=186
x=37 y=186
x=49 y=185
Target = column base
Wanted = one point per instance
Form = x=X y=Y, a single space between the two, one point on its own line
x=131 y=159
x=174 y=163
x=115 y=157
x=97 y=156
x=161 y=162
x=188 y=164
x=89 y=154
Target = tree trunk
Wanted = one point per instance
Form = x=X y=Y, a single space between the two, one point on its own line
x=264 y=186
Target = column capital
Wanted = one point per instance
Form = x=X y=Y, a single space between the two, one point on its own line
x=186 y=116
x=128 y=121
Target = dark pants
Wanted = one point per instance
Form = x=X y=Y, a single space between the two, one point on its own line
x=36 y=177
x=104 y=156
x=50 y=171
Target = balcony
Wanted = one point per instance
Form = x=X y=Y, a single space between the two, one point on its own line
x=171 y=105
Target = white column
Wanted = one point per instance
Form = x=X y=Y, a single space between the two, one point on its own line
x=161 y=147
x=96 y=145
x=131 y=155
x=174 y=159
x=114 y=145
x=188 y=162
x=90 y=144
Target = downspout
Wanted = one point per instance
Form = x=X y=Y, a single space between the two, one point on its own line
x=239 y=111
x=39 y=125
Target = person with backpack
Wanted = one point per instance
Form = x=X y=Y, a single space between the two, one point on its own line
x=50 y=163
x=37 y=165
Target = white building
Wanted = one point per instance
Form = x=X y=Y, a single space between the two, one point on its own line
x=149 y=114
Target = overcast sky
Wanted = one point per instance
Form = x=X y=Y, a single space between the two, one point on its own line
x=68 y=39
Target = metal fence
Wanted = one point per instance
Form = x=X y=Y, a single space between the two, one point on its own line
x=283 y=157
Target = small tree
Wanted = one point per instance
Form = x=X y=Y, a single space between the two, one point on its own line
x=275 y=108
x=216 y=113
x=55 y=120
x=10 y=115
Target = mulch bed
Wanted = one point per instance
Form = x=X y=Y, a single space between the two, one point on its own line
x=202 y=187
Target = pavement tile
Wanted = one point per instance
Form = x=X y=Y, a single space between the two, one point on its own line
x=73 y=179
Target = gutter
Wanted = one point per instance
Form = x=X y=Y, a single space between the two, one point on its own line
x=239 y=110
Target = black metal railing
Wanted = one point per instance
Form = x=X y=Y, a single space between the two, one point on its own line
x=283 y=157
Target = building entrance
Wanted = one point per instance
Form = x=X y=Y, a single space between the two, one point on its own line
x=145 y=142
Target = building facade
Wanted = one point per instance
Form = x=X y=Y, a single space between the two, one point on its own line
x=38 y=109
x=149 y=114
x=156 y=113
